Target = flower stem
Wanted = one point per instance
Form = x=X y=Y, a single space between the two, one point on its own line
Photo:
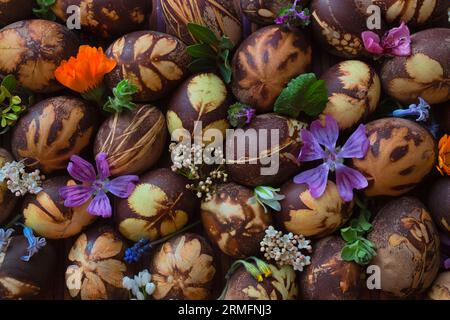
x=13 y=221
x=96 y=94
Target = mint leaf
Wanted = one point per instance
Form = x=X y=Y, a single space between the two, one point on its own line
x=10 y=83
x=304 y=93
x=202 y=34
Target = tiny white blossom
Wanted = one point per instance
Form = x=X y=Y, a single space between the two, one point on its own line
x=150 y=288
x=140 y=296
x=128 y=283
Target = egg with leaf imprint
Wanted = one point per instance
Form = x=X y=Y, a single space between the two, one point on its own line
x=133 y=140
x=439 y=202
x=173 y=16
x=46 y=214
x=234 y=221
x=105 y=18
x=15 y=10
x=159 y=205
x=201 y=98
x=264 y=12
x=304 y=215
x=441 y=287
x=425 y=73
x=407 y=245
x=7 y=199
x=95 y=266
x=280 y=285
x=354 y=90
x=329 y=277
x=265 y=62
x=400 y=155
x=154 y=62
x=183 y=268
x=31 y=50
x=52 y=131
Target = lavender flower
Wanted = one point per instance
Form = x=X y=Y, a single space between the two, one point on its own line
x=134 y=253
x=333 y=157
x=34 y=243
x=396 y=42
x=96 y=186
x=4 y=237
x=240 y=114
x=421 y=111
x=294 y=16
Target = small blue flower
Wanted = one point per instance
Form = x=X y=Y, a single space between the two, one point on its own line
x=135 y=253
x=4 y=237
x=421 y=111
x=34 y=243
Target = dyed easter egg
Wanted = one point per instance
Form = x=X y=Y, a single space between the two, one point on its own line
x=15 y=10
x=7 y=199
x=441 y=287
x=439 y=202
x=264 y=12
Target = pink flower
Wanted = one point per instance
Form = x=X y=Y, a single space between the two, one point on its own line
x=396 y=42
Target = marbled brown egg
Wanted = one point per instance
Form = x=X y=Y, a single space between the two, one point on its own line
x=337 y=26
x=25 y=279
x=183 y=269
x=281 y=285
x=155 y=62
x=106 y=18
x=441 y=287
x=52 y=131
x=7 y=199
x=407 y=245
x=172 y=17
x=201 y=98
x=133 y=140
x=354 y=90
x=159 y=205
x=304 y=215
x=95 y=266
x=265 y=62
x=439 y=202
x=264 y=12
x=46 y=214
x=328 y=277
x=400 y=155
x=31 y=50
x=15 y=10
x=233 y=222
x=426 y=73
x=265 y=152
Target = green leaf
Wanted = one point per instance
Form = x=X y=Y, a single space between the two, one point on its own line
x=349 y=234
x=274 y=204
x=10 y=83
x=203 y=34
x=226 y=72
x=315 y=98
x=201 y=50
x=348 y=253
x=225 y=43
x=202 y=65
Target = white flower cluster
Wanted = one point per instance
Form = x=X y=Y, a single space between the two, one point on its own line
x=20 y=182
x=140 y=286
x=285 y=249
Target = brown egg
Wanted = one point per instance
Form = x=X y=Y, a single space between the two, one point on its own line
x=46 y=214
x=96 y=267
x=52 y=131
x=281 y=285
x=301 y=214
x=155 y=62
x=134 y=140
x=337 y=26
x=172 y=17
x=264 y=12
x=400 y=155
x=407 y=245
x=426 y=73
x=31 y=50
x=251 y=165
x=106 y=18
x=265 y=63
x=15 y=10
x=7 y=199
x=354 y=90
x=25 y=279
x=233 y=222
x=183 y=269
x=159 y=206
x=441 y=287
x=328 y=277
x=203 y=97
x=439 y=202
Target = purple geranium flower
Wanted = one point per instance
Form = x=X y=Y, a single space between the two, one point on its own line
x=445 y=251
x=333 y=157
x=396 y=42
x=96 y=186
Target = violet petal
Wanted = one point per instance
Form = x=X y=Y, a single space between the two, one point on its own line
x=311 y=150
x=356 y=146
x=122 y=186
x=75 y=196
x=348 y=179
x=102 y=166
x=316 y=179
x=81 y=170
x=447 y=264
x=372 y=42
x=326 y=135
x=100 y=205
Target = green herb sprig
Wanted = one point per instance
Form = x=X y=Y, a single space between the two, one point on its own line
x=267 y=197
x=212 y=53
x=10 y=105
x=240 y=115
x=358 y=248
x=123 y=94
x=44 y=11
x=303 y=94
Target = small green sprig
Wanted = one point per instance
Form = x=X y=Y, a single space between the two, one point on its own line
x=211 y=54
x=123 y=94
x=10 y=105
x=358 y=248
x=240 y=115
x=267 y=197
x=44 y=11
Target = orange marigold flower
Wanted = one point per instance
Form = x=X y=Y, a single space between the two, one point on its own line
x=85 y=71
x=444 y=155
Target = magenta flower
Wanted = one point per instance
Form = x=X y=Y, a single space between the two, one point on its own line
x=319 y=143
x=396 y=42
x=96 y=186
